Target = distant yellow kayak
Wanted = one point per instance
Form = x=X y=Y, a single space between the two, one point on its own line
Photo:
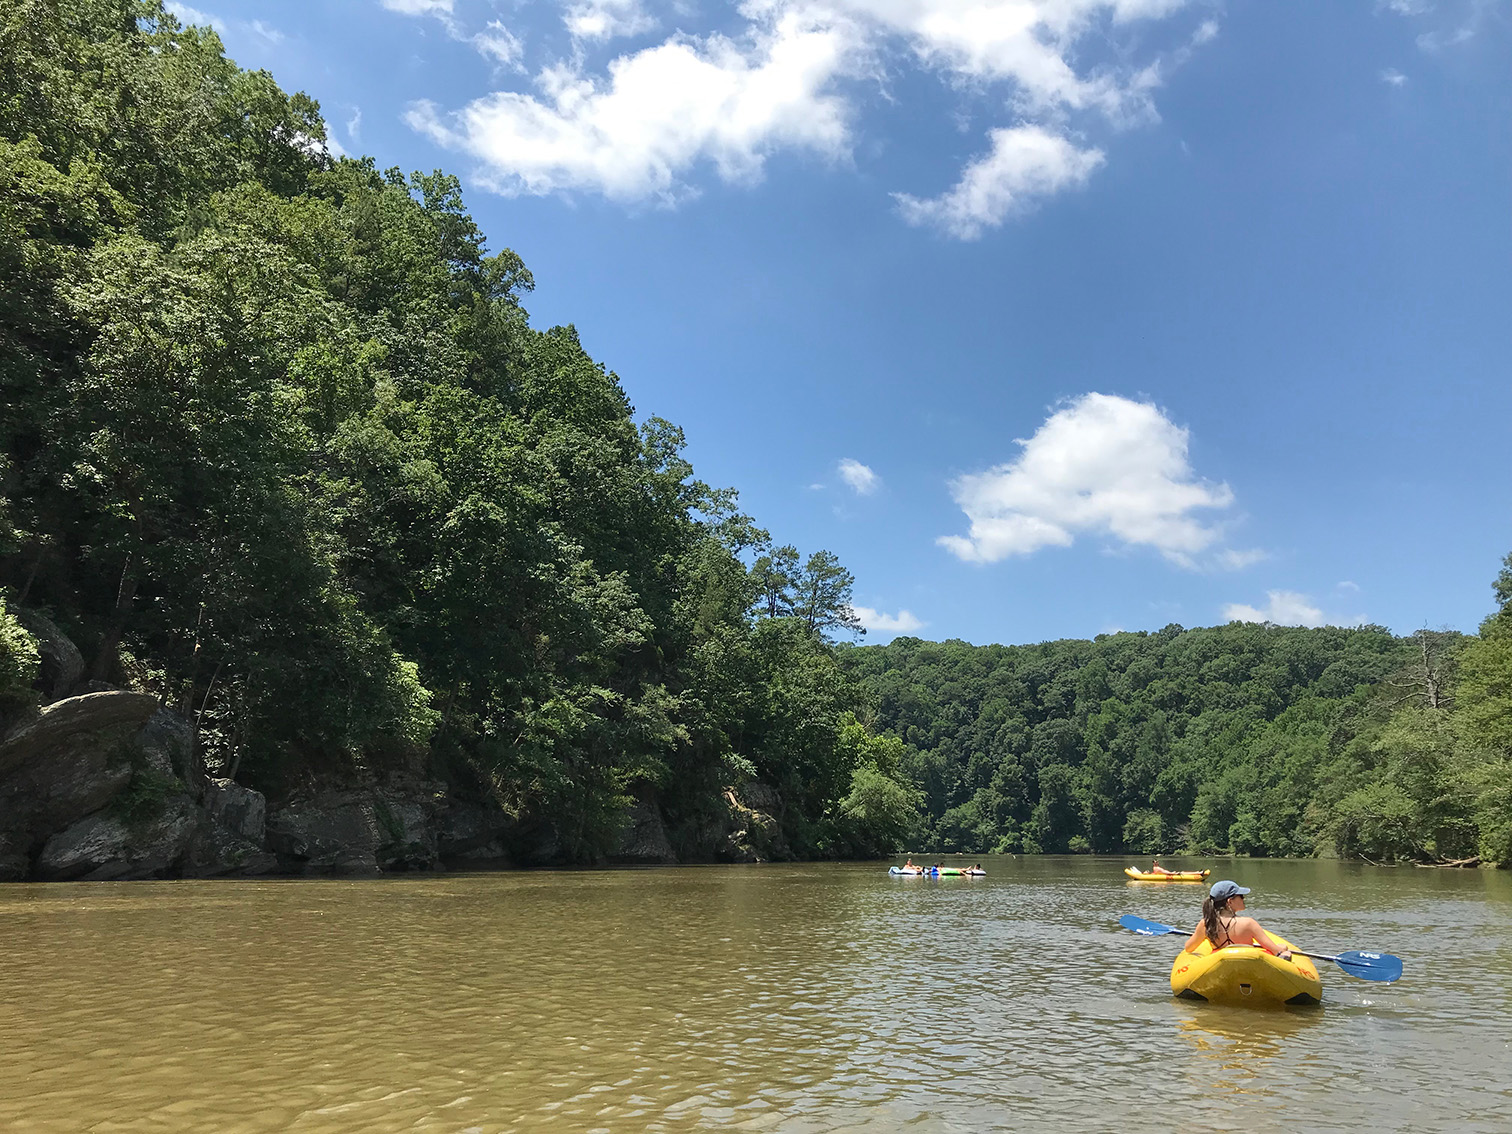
x=1245 y=974
x=1179 y=876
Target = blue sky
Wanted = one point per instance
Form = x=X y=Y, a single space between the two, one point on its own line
x=1049 y=317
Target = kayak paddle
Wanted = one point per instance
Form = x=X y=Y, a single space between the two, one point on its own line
x=1367 y=966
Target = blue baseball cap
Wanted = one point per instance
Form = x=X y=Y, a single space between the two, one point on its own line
x=1224 y=890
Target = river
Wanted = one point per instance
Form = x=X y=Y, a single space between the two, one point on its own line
x=815 y=997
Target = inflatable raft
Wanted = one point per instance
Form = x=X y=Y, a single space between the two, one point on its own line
x=1179 y=876
x=1245 y=974
x=939 y=872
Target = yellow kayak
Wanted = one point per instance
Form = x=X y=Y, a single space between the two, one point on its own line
x=1178 y=876
x=1245 y=974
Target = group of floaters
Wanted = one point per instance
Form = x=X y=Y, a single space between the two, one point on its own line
x=938 y=870
x=1232 y=959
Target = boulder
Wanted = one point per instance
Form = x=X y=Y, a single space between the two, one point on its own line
x=357 y=830
x=167 y=744
x=62 y=664
x=66 y=762
x=64 y=723
x=242 y=811
x=645 y=836
x=103 y=846
x=217 y=850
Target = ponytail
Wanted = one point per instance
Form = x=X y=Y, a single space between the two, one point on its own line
x=1210 y=910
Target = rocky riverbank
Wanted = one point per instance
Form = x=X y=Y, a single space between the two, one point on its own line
x=99 y=783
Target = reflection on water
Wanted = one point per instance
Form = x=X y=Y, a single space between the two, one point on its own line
x=1242 y=1042
x=775 y=998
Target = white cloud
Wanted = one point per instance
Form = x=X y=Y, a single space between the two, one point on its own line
x=1237 y=559
x=1026 y=162
x=193 y=17
x=640 y=128
x=1284 y=608
x=267 y=32
x=859 y=477
x=1459 y=21
x=419 y=7
x=498 y=43
x=606 y=19
x=1393 y=77
x=1348 y=585
x=1102 y=464
x=661 y=110
x=354 y=124
x=904 y=622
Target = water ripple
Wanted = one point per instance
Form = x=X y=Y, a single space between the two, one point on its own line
x=777 y=998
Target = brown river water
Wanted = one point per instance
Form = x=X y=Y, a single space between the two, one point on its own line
x=807 y=998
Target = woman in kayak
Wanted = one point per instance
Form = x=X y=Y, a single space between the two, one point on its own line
x=1156 y=868
x=1224 y=922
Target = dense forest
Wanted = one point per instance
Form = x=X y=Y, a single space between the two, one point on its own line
x=1245 y=738
x=280 y=446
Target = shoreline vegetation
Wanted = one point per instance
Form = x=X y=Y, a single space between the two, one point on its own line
x=317 y=556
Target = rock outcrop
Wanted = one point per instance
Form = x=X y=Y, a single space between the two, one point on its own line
x=755 y=833
x=645 y=839
x=102 y=847
x=108 y=784
x=358 y=830
x=64 y=763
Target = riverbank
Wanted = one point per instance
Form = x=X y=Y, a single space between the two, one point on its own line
x=108 y=785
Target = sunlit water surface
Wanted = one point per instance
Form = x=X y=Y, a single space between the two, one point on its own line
x=743 y=998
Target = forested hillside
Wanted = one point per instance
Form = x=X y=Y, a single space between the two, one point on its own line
x=1243 y=738
x=280 y=445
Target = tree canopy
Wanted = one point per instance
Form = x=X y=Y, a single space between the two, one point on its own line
x=280 y=443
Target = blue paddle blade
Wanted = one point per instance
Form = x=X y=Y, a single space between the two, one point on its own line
x=1146 y=928
x=1371 y=966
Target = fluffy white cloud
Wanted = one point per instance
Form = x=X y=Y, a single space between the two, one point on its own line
x=640 y=128
x=1029 y=44
x=903 y=622
x=1283 y=608
x=605 y=19
x=1393 y=77
x=661 y=110
x=1026 y=162
x=859 y=477
x=1102 y=464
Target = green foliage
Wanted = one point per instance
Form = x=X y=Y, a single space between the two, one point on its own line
x=1244 y=739
x=20 y=662
x=279 y=441
x=145 y=797
x=880 y=812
